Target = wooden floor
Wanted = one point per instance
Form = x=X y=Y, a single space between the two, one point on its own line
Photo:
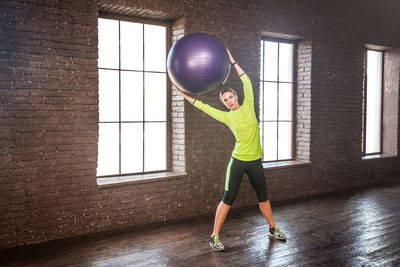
x=352 y=228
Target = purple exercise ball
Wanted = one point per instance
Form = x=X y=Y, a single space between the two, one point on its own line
x=198 y=64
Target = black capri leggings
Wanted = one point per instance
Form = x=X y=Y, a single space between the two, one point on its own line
x=255 y=174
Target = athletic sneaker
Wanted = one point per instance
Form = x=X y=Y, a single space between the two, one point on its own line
x=216 y=244
x=276 y=233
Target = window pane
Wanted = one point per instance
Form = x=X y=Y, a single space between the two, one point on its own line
x=276 y=100
x=261 y=60
x=270 y=61
x=374 y=100
x=270 y=101
x=261 y=103
x=270 y=142
x=284 y=140
x=108 y=95
x=285 y=62
x=131 y=96
x=108 y=154
x=108 y=43
x=155 y=48
x=131 y=147
x=131 y=46
x=155 y=97
x=155 y=146
x=285 y=101
x=261 y=131
x=128 y=96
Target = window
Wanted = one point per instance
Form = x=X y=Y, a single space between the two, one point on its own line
x=380 y=102
x=132 y=98
x=276 y=99
x=373 y=102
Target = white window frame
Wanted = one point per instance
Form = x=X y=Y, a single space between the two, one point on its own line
x=263 y=80
x=167 y=120
x=366 y=132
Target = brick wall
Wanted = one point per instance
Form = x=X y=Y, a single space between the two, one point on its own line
x=48 y=118
x=178 y=112
x=303 y=101
x=49 y=111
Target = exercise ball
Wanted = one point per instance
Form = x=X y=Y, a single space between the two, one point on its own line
x=198 y=64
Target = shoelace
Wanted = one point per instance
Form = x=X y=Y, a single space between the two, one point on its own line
x=277 y=230
x=216 y=240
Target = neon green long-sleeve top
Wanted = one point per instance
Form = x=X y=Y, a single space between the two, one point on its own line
x=242 y=122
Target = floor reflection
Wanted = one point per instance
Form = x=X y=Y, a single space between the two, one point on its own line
x=359 y=228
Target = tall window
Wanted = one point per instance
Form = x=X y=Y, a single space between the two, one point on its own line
x=132 y=98
x=276 y=100
x=373 y=102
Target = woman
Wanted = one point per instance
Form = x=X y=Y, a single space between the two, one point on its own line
x=246 y=156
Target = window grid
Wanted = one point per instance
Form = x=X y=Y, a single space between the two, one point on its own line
x=143 y=121
x=278 y=83
x=364 y=147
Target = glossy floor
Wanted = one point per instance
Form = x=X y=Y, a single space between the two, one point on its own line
x=353 y=228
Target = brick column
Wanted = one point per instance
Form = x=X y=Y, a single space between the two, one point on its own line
x=303 y=101
x=177 y=113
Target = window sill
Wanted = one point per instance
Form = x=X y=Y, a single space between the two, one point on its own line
x=136 y=179
x=285 y=164
x=378 y=156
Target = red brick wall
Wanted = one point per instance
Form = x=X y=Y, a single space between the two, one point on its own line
x=49 y=111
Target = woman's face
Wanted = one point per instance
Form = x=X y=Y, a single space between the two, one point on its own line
x=230 y=100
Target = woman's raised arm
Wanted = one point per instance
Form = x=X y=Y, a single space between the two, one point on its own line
x=238 y=69
x=185 y=96
x=209 y=110
x=247 y=87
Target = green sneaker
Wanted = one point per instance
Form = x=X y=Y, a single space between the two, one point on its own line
x=276 y=233
x=216 y=244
